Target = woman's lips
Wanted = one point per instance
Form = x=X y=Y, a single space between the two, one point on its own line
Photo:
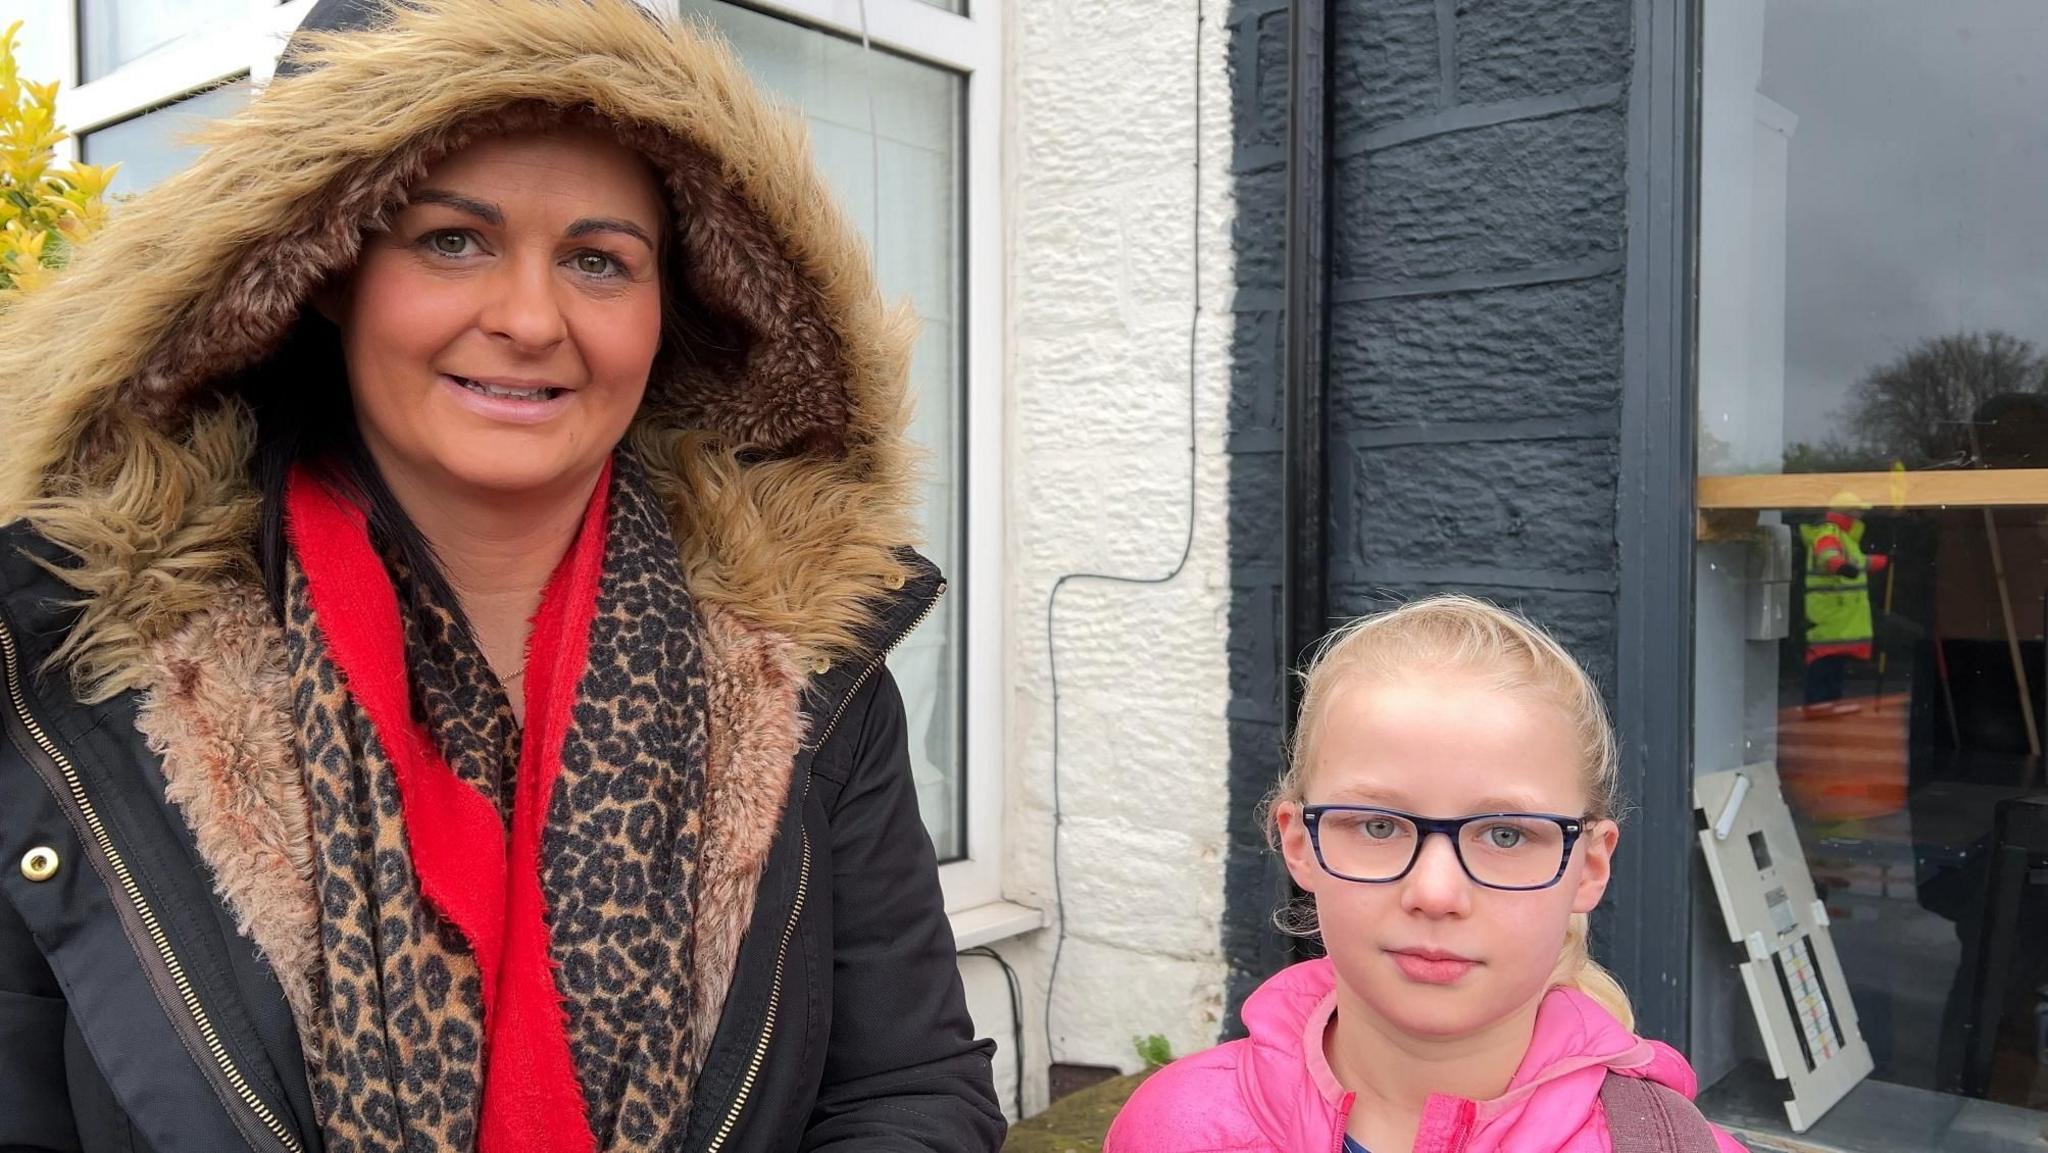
x=1431 y=967
x=507 y=409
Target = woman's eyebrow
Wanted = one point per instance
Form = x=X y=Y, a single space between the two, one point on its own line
x=482 y=210
x=588 y=225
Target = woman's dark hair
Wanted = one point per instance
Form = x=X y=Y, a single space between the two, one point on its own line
x=305 y=415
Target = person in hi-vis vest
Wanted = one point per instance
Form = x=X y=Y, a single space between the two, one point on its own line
x=1838 y=622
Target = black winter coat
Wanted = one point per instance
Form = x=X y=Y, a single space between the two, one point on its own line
x=134 y=1017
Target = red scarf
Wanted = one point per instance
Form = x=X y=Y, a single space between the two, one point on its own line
x=486 y=884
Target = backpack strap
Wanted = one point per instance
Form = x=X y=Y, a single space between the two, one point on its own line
x=1645 y=1117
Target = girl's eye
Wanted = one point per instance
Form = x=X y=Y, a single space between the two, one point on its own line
x=1504 y=837
x=1380 y=828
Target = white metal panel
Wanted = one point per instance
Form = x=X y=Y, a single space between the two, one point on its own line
x=1793 y=976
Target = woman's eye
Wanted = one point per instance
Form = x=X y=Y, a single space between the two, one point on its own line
x=1504 y=836
x=1380 y=828
x=597 y=264
x=450 y=243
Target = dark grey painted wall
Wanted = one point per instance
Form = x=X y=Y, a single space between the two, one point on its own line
x=1479 y=209
x=1479 y=201
x=1254 y=885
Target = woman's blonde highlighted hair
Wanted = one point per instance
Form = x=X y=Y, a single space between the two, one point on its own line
x=1506 y=652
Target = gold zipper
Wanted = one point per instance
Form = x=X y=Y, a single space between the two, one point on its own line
x=803 y=879
x=732 y=1116
x=209 y=1036
x=846 y=698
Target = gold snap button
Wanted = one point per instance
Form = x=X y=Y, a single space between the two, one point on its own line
x=39 y=863
x=821 y=666
x=893 y=581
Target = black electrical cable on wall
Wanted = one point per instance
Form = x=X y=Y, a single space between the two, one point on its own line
x=1179 y=566
x=1016 y=1015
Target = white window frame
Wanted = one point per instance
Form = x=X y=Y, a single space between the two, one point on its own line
x=970 y=46
x=229 y=50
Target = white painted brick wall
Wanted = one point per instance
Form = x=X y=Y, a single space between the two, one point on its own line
x=1100 y=185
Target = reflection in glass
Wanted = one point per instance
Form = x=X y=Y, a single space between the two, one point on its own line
x=154 y=145
x=114 y=32
x=1871 y=239
x=1871 y=587
x=911 y=212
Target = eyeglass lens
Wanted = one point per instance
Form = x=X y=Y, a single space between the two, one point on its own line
x=1506 y=852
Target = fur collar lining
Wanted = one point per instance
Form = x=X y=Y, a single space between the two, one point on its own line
x=756 y=726
x=216 y=709
x=218 y=713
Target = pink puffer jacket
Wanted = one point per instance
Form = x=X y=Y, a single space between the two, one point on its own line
x=1274 y=1090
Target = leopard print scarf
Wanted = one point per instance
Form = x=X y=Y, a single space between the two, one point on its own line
x=401 y=1061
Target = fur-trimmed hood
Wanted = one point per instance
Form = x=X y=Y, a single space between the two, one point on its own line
x=125 y=384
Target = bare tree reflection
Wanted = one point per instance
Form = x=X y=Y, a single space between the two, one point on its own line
x=1935 y=406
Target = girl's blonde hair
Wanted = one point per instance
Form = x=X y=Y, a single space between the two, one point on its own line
x=1509 y=654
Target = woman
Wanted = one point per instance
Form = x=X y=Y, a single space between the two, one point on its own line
x=454 y=549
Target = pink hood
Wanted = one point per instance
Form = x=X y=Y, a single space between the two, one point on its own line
x=1273 y=1090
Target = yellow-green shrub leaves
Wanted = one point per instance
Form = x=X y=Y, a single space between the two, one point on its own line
x=44 y=208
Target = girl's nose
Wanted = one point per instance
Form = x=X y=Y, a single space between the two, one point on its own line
x=1437 y=886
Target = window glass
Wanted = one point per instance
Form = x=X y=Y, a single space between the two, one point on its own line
x=1872 y=574
x=115 y=32
x=156 y=144
x=888 y=134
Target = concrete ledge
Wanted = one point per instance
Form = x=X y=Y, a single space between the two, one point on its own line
x=995 y=921
x=1874 y=1118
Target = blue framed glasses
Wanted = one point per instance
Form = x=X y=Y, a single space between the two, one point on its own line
x=1517 y=852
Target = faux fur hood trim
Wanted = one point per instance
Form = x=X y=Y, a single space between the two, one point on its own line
x=216 y=708
x=125 y=435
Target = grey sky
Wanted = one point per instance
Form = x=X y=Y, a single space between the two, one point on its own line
x=1918 y=199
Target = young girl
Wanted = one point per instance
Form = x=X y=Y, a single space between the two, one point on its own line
x=1458 y=1009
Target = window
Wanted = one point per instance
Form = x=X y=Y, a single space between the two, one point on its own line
x=117 y=32
x=140 y=75
x=153 y=145
x=906 y=130
x=887 y=132
x=1872 y=568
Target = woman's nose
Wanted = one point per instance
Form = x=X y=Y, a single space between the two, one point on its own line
x=522 y=306
x=1437 y=886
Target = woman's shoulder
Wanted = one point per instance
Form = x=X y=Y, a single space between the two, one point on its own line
x=37 y=607
x=1194 y=1105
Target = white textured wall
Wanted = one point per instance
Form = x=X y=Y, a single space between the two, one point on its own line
x=1100 y=186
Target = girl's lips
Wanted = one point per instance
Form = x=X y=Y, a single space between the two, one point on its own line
x=505 y=409
x=1429 y=968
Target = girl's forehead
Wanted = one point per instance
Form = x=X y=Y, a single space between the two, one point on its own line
x=1434 y=741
